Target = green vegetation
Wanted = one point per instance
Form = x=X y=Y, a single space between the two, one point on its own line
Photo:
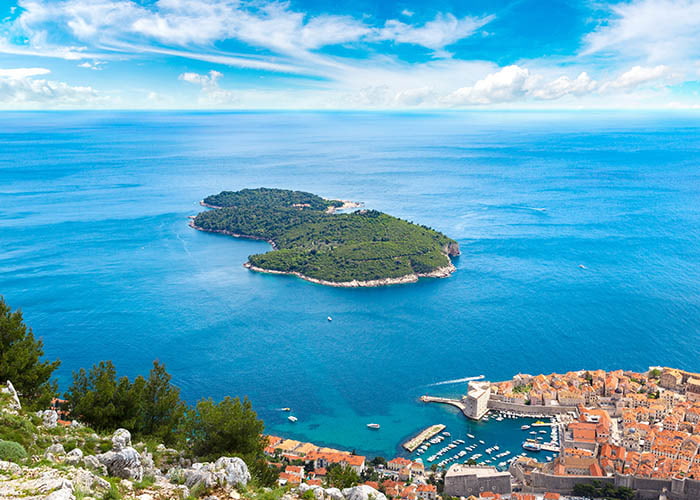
x=655 y=373
x=147 y=407
x=363 y=245
x=150 y=408
x=342 y=476
x=11 y=451
x=272 y=198
x=523 y=389
x=214 y=429
x=20 y=362
x=598 y=490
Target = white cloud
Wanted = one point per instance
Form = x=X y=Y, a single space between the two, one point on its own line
x=656 y=30
x=562 y=86
x=638 y=75
x=95 y=65
x=437 y=34
x=515 y=83
x=19 y=73
x=19 y=89
x=211 y=93
x=505 y=85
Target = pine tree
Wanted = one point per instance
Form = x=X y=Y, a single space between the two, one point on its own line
x=161 y=408
x=20 y=360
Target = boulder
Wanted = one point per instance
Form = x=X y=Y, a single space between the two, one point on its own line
x=49 y=418
x=91 y=462
x=74 y=457
x=62 y=494
x=334 y=494
x=88 y=482
x=319 y=493
x=122 y=461
x=235 y=469
x=363 y=492
x=121 y=439
x=9 y=468
x=226 y=471
x=14 y=405
x=55 y=449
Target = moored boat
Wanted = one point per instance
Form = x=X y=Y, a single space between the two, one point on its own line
x=373 y=426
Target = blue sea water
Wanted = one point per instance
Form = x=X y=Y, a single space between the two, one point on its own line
x=95 y=249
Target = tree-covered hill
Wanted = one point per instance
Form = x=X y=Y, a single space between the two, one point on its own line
x=310 y=240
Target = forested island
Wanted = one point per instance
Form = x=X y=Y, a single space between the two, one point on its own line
x=311 y=240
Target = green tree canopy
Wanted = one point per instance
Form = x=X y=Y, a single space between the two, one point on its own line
x=21 y=360
x=232 y=428
x=342 y=476
x=147 y=407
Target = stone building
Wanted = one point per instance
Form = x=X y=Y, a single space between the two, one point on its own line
x=476 y=401
x=463 y=480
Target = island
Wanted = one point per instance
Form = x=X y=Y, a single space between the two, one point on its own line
x=314 y=239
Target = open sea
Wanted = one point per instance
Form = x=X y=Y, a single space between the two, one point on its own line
x=96 y=251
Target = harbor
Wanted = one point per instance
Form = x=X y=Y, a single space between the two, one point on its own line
x=426 y=434
x=496 y=440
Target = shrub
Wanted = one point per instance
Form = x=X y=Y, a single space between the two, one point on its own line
x=11 y=451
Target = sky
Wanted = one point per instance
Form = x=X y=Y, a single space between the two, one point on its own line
x=363 y=54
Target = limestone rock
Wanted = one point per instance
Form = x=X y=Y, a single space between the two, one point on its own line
x=123 y=461
x=74 y=457
x=49 y=418
x=235 y=469
x=62 y=494
x=9 y=468
x=92 y=463
x=88 y=482
x=224 y=472
x=56 y=450
x=363 y=492
x=121 y=439
x=14 y=405
x=334 y=494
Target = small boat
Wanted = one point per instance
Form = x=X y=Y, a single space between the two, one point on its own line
x=582 y=266
x=329 y=318
x=481 y=442
x=286 y=409
x=373 y=426
x=470 y=436
x=292 y=418
x=524 y=427
x=531 y=446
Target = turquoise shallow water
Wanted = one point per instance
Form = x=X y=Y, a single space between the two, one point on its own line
x=95 y=249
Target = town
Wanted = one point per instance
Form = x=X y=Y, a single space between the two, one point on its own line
x=635 y=435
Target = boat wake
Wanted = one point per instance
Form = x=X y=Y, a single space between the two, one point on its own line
x=456 y=381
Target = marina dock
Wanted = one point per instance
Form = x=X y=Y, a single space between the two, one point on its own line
x=412 y=444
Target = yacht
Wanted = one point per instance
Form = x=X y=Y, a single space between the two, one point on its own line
x=530 y=445
x=373 y=426
x=292 y=418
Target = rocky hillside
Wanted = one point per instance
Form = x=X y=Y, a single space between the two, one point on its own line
x=41 y=458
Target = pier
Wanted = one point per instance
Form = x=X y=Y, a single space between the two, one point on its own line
x=448 y=401
x=424 y=435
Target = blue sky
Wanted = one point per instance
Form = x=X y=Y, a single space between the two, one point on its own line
x=365 y=54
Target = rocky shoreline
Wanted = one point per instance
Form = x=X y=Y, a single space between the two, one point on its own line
x=441 y=272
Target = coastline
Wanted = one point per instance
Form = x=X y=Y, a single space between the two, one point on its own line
x=229 y=233
x=347 y=204
x=440 y=272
